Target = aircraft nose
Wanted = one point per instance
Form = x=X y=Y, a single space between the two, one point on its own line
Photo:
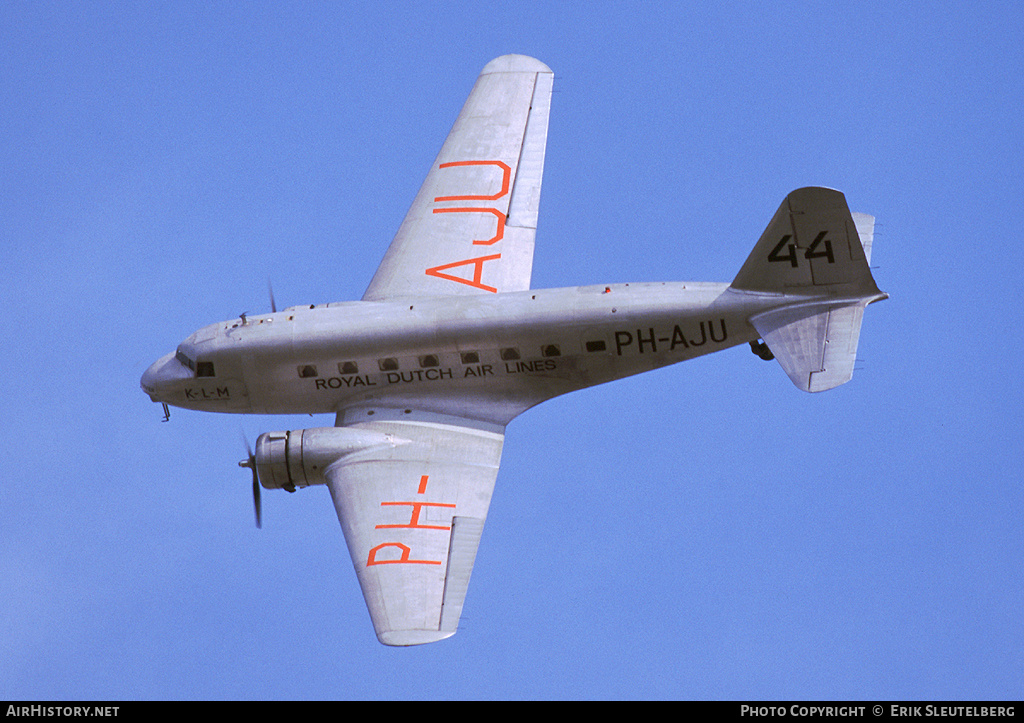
x=155 y=378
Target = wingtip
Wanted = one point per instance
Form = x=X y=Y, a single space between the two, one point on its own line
x=405 y=638
x=515 y=64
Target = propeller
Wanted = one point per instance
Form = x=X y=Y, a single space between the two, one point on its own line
x=273 y=306
x=250 y=462
x=270 y=290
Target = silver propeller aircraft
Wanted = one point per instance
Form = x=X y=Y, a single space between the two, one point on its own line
x=449 y=344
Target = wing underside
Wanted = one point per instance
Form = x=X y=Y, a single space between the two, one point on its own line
x=412 y=515
x=472 y=225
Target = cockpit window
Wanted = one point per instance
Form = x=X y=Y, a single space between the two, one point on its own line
x=185 y=360
x=200 y=369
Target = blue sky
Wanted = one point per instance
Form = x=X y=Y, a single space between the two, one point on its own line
x=703 y=531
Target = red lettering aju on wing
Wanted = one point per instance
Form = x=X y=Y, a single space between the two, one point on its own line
x=477 y=262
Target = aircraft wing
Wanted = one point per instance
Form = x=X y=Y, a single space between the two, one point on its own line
x=471 y=228
x=412 y=514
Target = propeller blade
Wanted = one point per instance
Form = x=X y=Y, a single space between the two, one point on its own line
x=270 y=289
x=250 y=462
x=257 y=504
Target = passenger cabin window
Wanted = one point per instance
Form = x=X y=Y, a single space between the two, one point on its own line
x=429 y=360
x=204 y=369
x=470 y=357
x=509 y=354
x=550 y=350
x=388 y=365
x=349 y=367
x=596 y=345
x=307 y=371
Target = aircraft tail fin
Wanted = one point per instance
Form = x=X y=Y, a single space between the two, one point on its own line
x=812 y=245
x=815 y=252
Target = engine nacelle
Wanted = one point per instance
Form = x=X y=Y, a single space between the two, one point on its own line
x=286 y=460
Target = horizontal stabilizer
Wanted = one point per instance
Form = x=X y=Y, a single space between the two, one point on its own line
x=866 y=230
x=816 y=345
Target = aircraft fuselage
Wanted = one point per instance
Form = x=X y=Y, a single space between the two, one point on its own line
x=488 y=357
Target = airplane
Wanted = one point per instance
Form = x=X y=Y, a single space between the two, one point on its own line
x=450 y=343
